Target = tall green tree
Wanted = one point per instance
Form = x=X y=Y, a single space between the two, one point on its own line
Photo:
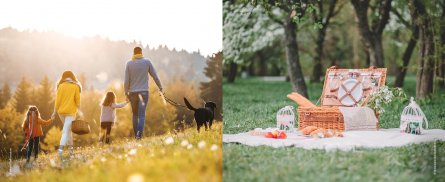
x=5 y=95
x=10 y=131
x=425 y=62
x=212 y=90
x=399 y=10
x=441 y=51
x=293 y=14
x=247 y=30
x=322 y=18
x=22 y=95
x=372 y=18
x=45 y=98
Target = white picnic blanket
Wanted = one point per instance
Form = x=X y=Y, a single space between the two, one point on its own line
x=351 y=140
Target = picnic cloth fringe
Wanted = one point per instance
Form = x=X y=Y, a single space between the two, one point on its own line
x=351 y=140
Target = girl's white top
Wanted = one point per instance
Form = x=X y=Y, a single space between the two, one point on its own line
x=108 y=113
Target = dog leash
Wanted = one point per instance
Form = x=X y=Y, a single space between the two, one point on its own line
x=170 y=101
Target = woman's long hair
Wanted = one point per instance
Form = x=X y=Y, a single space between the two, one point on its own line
x=69 y=74
x=28 y=114
x=109 y=99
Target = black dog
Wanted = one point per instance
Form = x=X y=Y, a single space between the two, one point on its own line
x=203 y=115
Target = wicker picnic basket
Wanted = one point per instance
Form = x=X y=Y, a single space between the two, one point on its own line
x=342 y=87
x=80 y=127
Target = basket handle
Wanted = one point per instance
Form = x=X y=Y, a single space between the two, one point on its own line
x=80 y=114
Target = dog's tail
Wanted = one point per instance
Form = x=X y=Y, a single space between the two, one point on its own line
x=187 y=103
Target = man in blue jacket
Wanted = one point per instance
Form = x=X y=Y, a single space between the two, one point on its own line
x=136 y=88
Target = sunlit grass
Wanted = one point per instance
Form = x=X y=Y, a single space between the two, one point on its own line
x=187 y=156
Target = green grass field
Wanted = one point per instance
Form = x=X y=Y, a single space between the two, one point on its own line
x=151 y=159
x=252 y=103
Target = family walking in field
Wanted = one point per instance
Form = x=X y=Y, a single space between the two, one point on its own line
x=68 y=102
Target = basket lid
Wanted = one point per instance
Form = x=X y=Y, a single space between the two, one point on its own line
x=347 y=87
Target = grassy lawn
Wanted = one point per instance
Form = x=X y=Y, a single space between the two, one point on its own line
x=252 y=103
x=152 y=159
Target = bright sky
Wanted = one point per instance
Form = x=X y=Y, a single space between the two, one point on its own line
x=182 y=24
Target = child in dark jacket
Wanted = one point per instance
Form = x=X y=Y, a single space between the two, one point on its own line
x=32 y=126
x=108 y=114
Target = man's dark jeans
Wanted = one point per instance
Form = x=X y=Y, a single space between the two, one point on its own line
x=139 y=102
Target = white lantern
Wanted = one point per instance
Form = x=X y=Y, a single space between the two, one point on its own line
x=412 y=119
x=286 y=119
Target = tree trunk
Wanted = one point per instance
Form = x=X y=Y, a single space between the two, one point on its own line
x=293 y=59
x=442 y=61
x=425 y=63
x=321 y=34
x=401 y=70
x=260 y=66
x=441 y=67
x=318 y=66
x=251 y=68
x=368 y=59
x=233 y=70
x=376 y=58
x=372 y=38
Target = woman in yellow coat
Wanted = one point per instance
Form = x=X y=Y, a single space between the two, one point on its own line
x=67 y=106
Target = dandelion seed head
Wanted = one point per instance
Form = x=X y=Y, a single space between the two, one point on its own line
x=132 y=152
x=214 y=147
x=169 y=140
x=201 y=144
x=52 y=162
x=184 y=143
x=189 y=146
x=136 y=177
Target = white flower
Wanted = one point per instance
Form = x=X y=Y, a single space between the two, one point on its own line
x=201 y=144
x=189 y=146
x=132 y=152
x=169 y=140
x=136 y=177
x=184 y=143
x=52 y=163
x=214 y=147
